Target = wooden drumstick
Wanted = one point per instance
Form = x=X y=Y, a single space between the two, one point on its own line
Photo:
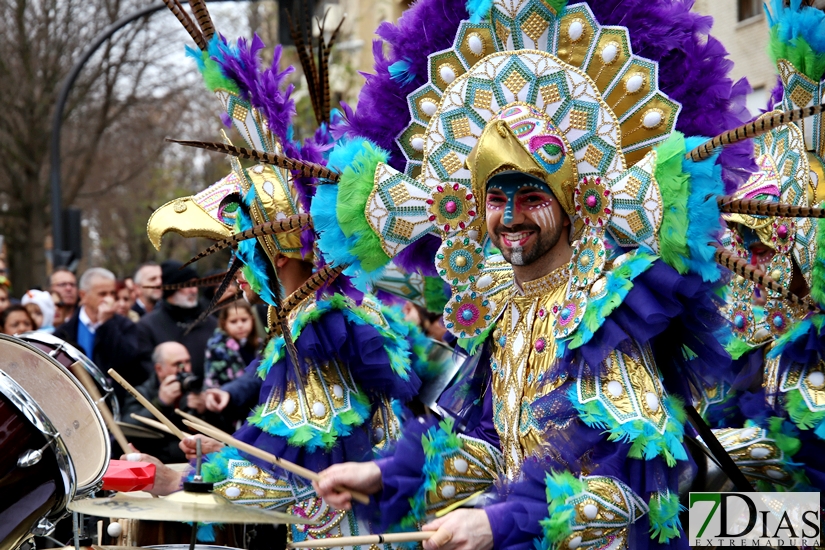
x=154 y=424
x=81 y=374
x=416 y=536
x=145 y=402
x=224 y=437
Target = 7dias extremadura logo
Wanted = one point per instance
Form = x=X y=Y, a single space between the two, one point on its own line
x=754 y=519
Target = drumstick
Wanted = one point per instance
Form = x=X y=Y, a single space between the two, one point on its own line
x=153 y=423
x=81 y=374
x=416 y=536
x=224 y=437
x=145 y=402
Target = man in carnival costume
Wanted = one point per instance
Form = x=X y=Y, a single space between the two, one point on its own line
x=334 y=373
x=779 y=393
x=522 y=134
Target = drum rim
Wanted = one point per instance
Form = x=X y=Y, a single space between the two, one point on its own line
x=97 y=481
x=90 y=366
x=28 y=406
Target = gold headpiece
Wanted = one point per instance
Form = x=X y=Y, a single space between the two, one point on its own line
x=523 y=139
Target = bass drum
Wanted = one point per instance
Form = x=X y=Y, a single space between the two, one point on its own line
x=66 y=404
x=37 y=478
x=66 y=354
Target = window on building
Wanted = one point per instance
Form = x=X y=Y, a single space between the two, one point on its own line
x=749 y=8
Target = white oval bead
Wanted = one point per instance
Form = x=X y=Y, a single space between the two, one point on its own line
x=816 y=379
x=614 y=388
x=319 y=409
x=114 y=529
x=448 y=491
x=258 y=492
x=270 y=479
x=609 y=53
x=258 y=169
x=337 y=391
x=575 y=31
x=269 y=188
x=591 y=511
x=484 y=281
x=289 y=406
x=446 y=73
x=378 y=435
x=652 y=401
x=759 y=452
x=775 y=474
x=476 y=44
x=460 y=465
x=749 y=433
x=280 y=216
x=574 y=543
x=428 y=107
x=652 y=119
x=232 y=492
x=250 y=471
x=634 y=83
x=417 y=143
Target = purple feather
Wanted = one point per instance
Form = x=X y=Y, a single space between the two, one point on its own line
x=261 y=88
x=776 y=95
x=420 y=256
x=428 y=26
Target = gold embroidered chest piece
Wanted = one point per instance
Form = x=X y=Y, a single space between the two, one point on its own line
x=524 y=350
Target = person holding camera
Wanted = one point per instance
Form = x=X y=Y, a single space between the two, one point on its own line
x=171 y=386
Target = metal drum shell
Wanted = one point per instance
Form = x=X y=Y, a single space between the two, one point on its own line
x=53 y=506
x=89 y=468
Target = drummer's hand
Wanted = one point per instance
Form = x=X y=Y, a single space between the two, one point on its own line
x=216 y=399
x=208 y=445
x=167 y=480
x=361 y=476
x=106 y=309
x=195 y=402
x=462 y=529
x=169 y=391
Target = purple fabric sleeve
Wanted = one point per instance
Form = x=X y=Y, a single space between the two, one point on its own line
x=401 y=473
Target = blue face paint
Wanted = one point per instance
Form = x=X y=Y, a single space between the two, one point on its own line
x=510 y=183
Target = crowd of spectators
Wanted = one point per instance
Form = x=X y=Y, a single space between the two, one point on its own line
x=161 y=341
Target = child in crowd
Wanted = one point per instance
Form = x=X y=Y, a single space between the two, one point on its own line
x=16 y=320
x=41 y=307
x=232 y=347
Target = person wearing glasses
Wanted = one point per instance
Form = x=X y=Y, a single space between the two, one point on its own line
x=64 y=283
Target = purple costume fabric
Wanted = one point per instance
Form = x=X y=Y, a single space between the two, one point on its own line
x=663 y=308
x=356 y=345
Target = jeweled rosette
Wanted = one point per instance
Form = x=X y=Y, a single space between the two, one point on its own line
x=452 y=207
x=569 y=314
x=783 y=234
x=588 y=259
x=459 y=260
x=467 y=314
x=594 y=203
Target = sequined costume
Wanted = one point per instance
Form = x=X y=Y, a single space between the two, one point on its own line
x=342 y=399
x=771 y=418
x=567 y=405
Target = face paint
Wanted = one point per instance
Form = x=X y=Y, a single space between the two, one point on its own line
x=510 y=184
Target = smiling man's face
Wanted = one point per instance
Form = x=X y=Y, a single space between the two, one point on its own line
x=524 y=219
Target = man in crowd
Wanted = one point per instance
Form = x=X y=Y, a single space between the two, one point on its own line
x=109 y=340
x=147 y=275
x=169 y=387
x=171 y=317
x=64 y=283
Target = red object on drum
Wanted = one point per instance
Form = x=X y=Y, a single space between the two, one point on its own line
x=126 y=476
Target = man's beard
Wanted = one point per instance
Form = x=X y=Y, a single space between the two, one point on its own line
x=546 y=240
x=183 y=301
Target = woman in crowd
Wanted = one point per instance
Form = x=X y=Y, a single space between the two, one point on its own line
x=16 y=320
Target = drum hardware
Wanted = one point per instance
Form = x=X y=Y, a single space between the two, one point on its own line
x=44 y=528
x=54 y=353
x=33 y=456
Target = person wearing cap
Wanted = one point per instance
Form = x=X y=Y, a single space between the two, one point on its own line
x=43 y=300
x=171 y=317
